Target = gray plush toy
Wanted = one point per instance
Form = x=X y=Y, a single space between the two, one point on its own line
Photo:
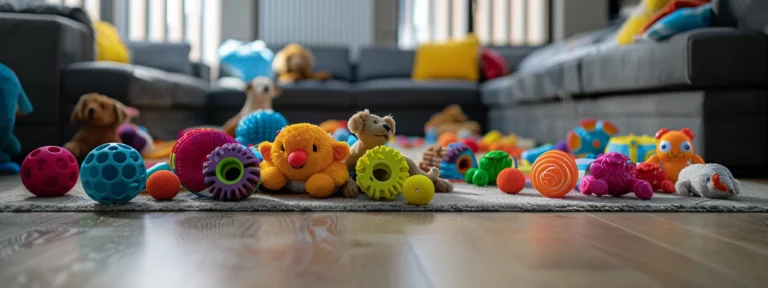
x=707 y=180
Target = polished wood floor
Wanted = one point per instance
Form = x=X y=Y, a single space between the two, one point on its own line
x=383 y=250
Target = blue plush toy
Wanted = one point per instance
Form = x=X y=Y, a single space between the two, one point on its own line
x=683 y=19
x=13 y=103
x=249 y=60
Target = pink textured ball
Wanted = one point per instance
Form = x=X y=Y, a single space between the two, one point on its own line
x=49 y=171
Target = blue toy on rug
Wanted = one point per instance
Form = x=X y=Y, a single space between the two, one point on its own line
x=683 y=19
x=13 y=104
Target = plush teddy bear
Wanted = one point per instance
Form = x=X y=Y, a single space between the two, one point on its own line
x=452 y=119
x=304 y=158
x=295 y=63
x=373 y=131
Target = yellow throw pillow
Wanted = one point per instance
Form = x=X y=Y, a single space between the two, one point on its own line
x=639 y=19
x=456 y=60
x=109 y=46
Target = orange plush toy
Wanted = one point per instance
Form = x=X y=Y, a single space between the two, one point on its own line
x=304 y=158
x=674 y=151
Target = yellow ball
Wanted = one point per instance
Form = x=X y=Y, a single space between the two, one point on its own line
x=418 y=190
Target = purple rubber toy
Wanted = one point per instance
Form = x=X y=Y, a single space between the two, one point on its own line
x=614 y=174
x=232 y=172
x=562 y=146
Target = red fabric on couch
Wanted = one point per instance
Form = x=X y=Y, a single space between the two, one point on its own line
x=493 y=64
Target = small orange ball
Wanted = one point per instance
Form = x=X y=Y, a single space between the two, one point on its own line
x=163 y=185
x=447 y=139
x=510 y=181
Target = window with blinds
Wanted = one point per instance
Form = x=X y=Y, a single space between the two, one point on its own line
x=495 y=22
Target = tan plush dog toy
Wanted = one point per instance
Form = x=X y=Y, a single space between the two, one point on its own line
x=373 y=131
x=295 y=63
x=100 y=116
x=259 y=94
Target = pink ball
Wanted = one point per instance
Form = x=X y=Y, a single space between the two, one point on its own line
x=49 y=171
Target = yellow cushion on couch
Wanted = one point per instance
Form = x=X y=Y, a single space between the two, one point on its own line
x=456 y=60
x=640 y=17
x=109 y=46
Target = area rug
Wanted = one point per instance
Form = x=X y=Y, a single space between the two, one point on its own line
x=466 y=198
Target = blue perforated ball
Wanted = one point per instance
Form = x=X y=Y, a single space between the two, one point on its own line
x=259 y=126
x=113 y=174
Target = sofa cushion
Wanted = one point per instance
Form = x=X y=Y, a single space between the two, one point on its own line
x=170 y=57
x=704 y=58
x=313 y=93
x=556 y=81
x=384 y=62
x=133 y=85
x=332 y=59
x=403 y=91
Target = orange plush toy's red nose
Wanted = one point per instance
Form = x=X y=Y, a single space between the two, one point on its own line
x=297 y=158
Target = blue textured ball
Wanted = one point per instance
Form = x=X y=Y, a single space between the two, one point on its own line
x=113 y=174
x=341 y=134
x=259 y=126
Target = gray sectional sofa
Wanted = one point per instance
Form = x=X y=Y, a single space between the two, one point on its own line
x=713 y=81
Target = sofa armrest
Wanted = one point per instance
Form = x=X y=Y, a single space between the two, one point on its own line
x=36 y=47
x=201 y=70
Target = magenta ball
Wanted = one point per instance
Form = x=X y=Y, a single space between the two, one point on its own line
x=49 y=171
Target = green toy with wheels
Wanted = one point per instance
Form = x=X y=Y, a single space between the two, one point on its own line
x=381 y=173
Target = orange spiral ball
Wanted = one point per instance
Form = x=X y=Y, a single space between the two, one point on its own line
x=554 y=174
x=163 y=185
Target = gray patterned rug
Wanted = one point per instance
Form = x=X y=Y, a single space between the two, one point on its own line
x=754 y=198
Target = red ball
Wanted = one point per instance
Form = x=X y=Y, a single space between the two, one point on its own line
x=49 y=171
x=510 y=181
x=472 y=144
x=163 y=185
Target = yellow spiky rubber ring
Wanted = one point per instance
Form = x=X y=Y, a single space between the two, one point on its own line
x=381 y=173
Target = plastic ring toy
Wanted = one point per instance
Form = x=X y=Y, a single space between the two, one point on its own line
x=381 y=173
x=232 y=172
x=554 y=174
x=457 y=161
x=191 y=152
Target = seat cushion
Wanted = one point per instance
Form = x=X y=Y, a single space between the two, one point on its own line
x=133 y=85
x=313 y=93
x=556 y=81
x=704 y=58
x=392 y=92
x=332 y=59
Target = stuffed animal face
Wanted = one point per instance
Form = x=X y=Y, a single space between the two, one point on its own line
x=711 y=185
x=372 y=129
x=99 y=111
x=675 y=145
x=293 y=59
x=262 y=88
x=303 y=150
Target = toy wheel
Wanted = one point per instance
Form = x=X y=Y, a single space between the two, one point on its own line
x=457 y=161
x=381 y=173
x=232 y=172
x=189 y=155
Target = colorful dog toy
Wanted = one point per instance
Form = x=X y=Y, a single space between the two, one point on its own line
x=381 y=173
x=711 y=180
x=113 y=174
x=191 y=152
x=554 y=174
x=614 y=174
x=655 y=176
x=637 y=148
x=13 y=104
x=49 y=171
x=490 y=165
x=163 y=185
x=259 y=126
x=232 y=172
x=674 y=151
x=590 y=137
x=457 y=161
x=510 y=181
x=418 y=190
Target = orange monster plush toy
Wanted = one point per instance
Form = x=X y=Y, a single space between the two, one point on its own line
x=674 y=151
x=304 y=158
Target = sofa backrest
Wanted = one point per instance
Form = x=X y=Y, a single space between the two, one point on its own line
x=332 y=59
x=170 y=57
x=384 y=62
x=76 y=14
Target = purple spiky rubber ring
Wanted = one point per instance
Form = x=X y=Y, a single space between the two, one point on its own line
x=232 y=172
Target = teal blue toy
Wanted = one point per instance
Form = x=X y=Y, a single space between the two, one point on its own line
x=591 y=137
x=259 y=126
x=113 y=174
x=457 y=161
x=532 y=154
x=13 y=104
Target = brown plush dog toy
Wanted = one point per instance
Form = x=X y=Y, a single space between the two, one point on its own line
x=259 y=94
x=373 y=131
x=100 y=117
x=295 y=63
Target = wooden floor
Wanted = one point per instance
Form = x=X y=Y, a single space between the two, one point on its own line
x=383 y=250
